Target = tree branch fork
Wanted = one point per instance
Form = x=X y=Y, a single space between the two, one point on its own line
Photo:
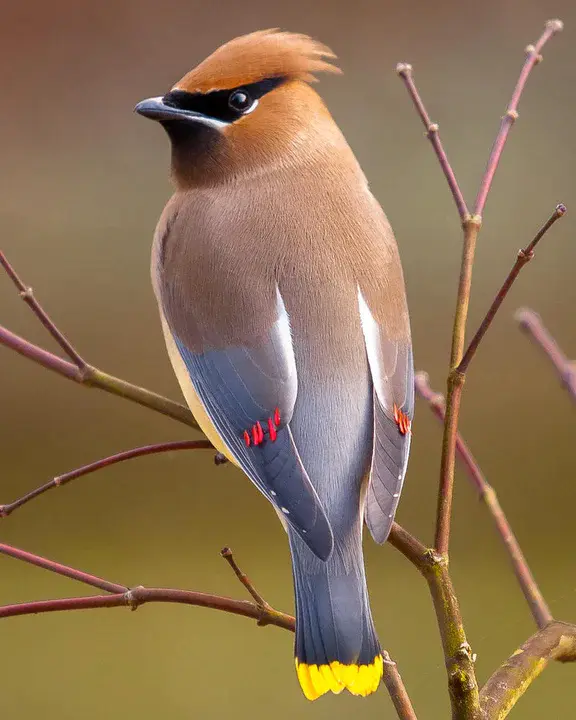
x=554 y=640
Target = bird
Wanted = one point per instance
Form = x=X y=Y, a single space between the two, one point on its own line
x=283 y=306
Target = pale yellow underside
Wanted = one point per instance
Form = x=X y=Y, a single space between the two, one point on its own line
x=194 y=403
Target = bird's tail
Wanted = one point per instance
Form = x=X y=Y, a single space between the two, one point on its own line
x=336 y=644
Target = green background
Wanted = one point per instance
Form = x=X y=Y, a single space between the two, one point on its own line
x=82 y=183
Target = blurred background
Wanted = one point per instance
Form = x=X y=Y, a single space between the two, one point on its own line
x=83 y=181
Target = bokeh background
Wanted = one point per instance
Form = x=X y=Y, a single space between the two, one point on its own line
x=82 y=183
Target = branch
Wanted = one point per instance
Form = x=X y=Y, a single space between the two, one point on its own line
x=139 y=596
x=432 y=133
x=534 y=598
x=122 y=595
x=533 y=57
x=135 y=597
x=557 y=641
x=226 y=553
x=27 y=295
x=59 y=569
x=524 y=256
x=93 y=377
x=261 y=610
x=471 y=229
x=60 y=480
x=455 y=382
x=395 y=685
x=532 y=324
x=83 y=373
x=458 y=656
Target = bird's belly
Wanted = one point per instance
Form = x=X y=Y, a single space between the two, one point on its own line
x=194 y=403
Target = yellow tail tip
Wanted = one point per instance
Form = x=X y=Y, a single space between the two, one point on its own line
x=316 y=680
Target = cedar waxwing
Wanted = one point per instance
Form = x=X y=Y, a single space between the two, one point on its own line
x=283 y=306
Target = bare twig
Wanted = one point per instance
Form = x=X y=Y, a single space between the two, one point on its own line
x=432 y=133
x=395 y=685
x=135 y=597
x=122 y=595
x=59 y=569
x=80 y=371
x=471 y=230
x=460 y=669
x=27 y=295
x=90 y=376
x=244 y=579
x=533 y=57
x=412 y=549
x=557 y=641
x=524 y=256
x=60 y=480
x=535 y=599
x=532 y=324
x=454 y=392
x=464 y=694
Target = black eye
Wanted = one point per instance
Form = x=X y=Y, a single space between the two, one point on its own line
x=240 y=100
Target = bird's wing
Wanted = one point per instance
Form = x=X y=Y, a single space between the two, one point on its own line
x=392 y=371
x=248 y=393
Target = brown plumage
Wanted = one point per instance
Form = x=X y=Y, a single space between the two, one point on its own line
x=281 y=296
x=262 y=54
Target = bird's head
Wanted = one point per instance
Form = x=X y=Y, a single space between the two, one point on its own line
x=246 y=108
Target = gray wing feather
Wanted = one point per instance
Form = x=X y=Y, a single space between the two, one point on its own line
x=392 y=369
x=389 y=463
x=239 y=387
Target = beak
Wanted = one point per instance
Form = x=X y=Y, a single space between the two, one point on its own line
x=157 y=109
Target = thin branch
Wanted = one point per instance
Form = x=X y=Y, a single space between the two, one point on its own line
x=529 y=586
x=60 y=480
x=226 y=553
x=395 y=685
x=60 y=569
x=140 y=595
x=38 y=355
x=27 y=295
x=122 y=595
x=432 y=133
x=412 y=549
x=524 y=256
x=471 y=230
x=90 y=376
x=533 y=57
x=454 y=391
x=399 y=538
x=532 y=324
x=80 y=371
x=506 y=686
